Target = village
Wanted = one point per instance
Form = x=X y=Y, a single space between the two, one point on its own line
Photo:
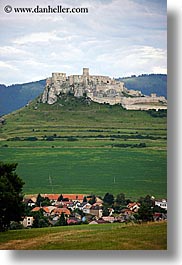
x=43 y=210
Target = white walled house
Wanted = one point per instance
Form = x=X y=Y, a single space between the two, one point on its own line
x=28 y=221
x=161 y=203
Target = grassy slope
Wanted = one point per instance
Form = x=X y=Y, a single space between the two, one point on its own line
x=89 y=164
x=151 y=236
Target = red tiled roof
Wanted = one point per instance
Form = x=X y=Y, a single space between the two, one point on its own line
x=74 y=196
x=46 y=209
x=61 y=210
x=51 y=196
x=36 y=209
x=69 y=196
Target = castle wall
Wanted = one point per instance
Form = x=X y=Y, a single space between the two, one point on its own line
x=101 y=89
x=58 y=77
x=144 y=107
x=146 y=99
x=75 y=79
x=97 y=79
x=116 y=87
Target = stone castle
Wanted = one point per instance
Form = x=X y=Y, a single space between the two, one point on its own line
x=101 y=89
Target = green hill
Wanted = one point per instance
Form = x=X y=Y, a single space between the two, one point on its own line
x=86 y=147
x=152 y=83
x=16 y=96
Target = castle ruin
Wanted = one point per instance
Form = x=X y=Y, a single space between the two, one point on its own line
x=101 y=89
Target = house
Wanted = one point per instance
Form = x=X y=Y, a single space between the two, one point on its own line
x=111 y=211
x=28 y=221
x=85 y=206
x=108 y=218
x=99 y=200
x=50 y=208
x=159 y=216
x=98 y=204
x=73 y=221
x=30 y=200
x=59 y=211
x=36 y=209
x=74 y=197
x=45 y=209
x=97 y=211
x=52 y=197
x=134 y=206
x=161 y=203
x=54 y=220
x=64 y=204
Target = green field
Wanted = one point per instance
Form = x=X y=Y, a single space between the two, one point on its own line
x=78 y=148
x=151 y=236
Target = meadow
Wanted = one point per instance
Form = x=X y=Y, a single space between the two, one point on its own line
x=151 y=236
x=75 y=147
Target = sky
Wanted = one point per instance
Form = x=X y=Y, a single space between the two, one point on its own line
x=116 y=38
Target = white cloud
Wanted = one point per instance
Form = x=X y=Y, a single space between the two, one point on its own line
x=10 y=51
x=158 y=69
x=7 y=66
x=116 y=38
x=37 y=37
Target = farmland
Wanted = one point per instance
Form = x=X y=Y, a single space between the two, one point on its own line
x=151 y=236
x=73 y=147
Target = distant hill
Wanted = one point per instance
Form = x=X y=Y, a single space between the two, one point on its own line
x=152 y=83
x=16 y=96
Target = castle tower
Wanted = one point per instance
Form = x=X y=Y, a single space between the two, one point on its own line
x=86 y=72
x=85 y=76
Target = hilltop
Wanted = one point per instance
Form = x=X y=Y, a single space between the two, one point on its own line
x=101 y=89
x=16 y=96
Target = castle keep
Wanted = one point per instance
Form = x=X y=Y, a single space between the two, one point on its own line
x=101 y=89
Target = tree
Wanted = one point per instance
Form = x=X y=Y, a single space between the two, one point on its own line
x=11 y=205
x=147 y=200
x=145 y=213
x=60 y=198
x=85 y=199
x=108 y=199
x=105 y=211
x=39 y=201
x=46 y=202
x=120 y=199
x=62 y=220
x=92 y=200
x=39 y=219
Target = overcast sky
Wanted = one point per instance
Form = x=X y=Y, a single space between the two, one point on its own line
x=116 y=38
